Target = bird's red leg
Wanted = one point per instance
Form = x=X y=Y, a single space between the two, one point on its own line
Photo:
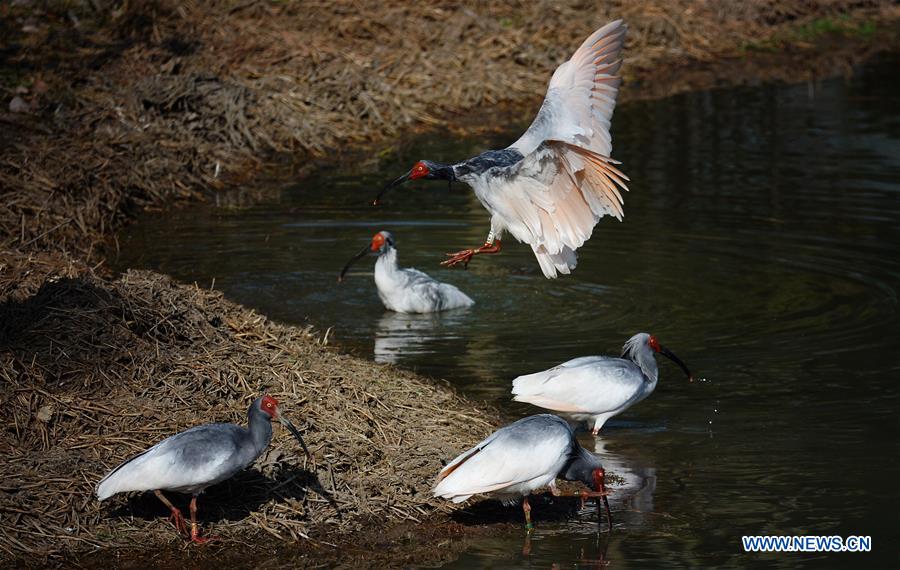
x=600 y=482
x=176 y=517
x=526 y=507
x=466 y=255
x=195 y=529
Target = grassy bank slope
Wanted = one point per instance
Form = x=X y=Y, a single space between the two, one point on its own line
x=113 y=107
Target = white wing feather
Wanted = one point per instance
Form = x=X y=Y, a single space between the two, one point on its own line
x=581 y=96
x=589 y=385
x=566 y=182
x=504 y=464
x=163 y=467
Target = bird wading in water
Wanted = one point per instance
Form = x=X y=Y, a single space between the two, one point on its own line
x=551 y=187
x=596 y=388
x=191 y=461
x=406 y=290
x=517 y=459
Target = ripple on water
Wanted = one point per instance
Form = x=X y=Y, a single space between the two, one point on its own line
x=761 y=247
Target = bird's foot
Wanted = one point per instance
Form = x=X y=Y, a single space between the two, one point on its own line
x=464 y=257
x=595 y=431
x=197 y=539
x=585 y=495
x=180 y=524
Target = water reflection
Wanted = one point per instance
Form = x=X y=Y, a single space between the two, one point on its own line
x=760 y=238
x=399 y=336
x=592 y=555
x=634 y=485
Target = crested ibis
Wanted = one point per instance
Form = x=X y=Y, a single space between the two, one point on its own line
x=597 y=387
x=192 y=460
x=551 y=187
x=407 y=290
x=517 y=459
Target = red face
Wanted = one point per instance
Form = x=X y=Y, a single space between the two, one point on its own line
x=269 y=405
x=377 y=241
x=654 y=344
x=418 y=171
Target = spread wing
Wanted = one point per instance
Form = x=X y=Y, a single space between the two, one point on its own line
x=566 y=181
x=581 y=96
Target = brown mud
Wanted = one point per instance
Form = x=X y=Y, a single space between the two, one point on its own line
x=111 y=108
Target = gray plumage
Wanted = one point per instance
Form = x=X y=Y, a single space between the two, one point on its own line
x=502 y=158
x=191 y=461
x=513 y=461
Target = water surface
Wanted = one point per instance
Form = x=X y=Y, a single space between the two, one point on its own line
x=760 y=244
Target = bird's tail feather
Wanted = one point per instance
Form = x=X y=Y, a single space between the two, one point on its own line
x=115 y=480
x=553 y=263
x=108 y=487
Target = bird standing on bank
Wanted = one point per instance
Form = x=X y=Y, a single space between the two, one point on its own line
x=517 y=459
x=597 y=387
x=551 y=187
x=191 y=461
x=407 y=290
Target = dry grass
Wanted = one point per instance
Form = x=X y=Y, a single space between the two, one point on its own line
x=95 y=371
x=142 y=103
x=139 y=104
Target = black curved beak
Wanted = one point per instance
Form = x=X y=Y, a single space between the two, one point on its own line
x=396 y=182
x=668 y=354
x=353 y=260
x=296 y=433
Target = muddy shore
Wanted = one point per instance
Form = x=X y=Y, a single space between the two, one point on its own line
x=126 y=107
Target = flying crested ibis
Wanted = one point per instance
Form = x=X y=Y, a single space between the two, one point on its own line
x=551 y=187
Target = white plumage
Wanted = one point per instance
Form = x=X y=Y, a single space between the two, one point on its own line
x=551 y=187
x=596 y=388
x=407 y=290
x=566 y=182
x=506 y=465
x=517 y=459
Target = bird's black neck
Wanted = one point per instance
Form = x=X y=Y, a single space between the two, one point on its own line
x=485 y=161
x=260 y=427
x=439 y=170
x=581 y=466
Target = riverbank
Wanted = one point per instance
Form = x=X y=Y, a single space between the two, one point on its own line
x=96 y=370
x=127 y=111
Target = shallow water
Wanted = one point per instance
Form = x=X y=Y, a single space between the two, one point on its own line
x=760 y=244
